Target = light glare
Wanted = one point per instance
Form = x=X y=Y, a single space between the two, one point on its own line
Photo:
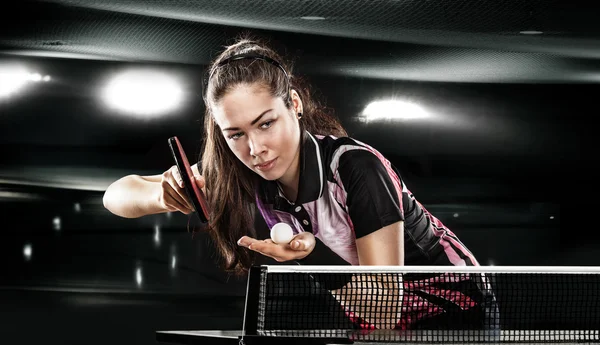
x=27 y=251
x=12 y=80
x=143 y=93
x=392 y=110
x=138 y=276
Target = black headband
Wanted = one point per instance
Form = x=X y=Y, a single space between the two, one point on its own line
x=254 y=57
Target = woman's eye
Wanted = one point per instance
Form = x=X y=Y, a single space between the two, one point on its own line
x=267 y=124
x=235 y=136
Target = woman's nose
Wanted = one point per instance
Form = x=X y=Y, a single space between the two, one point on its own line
x=257 y=146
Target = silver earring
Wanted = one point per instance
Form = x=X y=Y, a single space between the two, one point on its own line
x=299 y=115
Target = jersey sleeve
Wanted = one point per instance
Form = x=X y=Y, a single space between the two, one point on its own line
x=372 y=199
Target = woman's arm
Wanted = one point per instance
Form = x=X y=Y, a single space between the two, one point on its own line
x=377 y=299
x=384 y=247
x=135 y=196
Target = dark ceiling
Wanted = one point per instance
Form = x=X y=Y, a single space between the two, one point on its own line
x=425 y=40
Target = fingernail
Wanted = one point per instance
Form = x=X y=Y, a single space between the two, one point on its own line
x=295 y=244
x=239 y=242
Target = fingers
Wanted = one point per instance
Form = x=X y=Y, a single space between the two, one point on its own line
x=174 y=172
x=264 y=247
x=279 y=252
x=303 y=241
x=200 y=182
x=297 y=245
x=199 y=179
x=176 y=201
x=173 y=196
x=246 y=241
x=195 y=170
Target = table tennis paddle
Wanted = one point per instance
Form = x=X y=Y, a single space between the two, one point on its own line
x=192 y=190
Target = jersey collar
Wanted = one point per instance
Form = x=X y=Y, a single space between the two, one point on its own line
x=312 y=179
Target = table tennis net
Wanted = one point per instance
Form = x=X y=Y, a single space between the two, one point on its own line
x=429 y=304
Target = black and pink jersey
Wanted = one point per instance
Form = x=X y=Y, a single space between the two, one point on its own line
x=347 y=190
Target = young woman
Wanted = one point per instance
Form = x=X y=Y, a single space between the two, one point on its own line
x=270 y=149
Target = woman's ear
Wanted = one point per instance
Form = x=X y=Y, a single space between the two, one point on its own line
x=296 y=102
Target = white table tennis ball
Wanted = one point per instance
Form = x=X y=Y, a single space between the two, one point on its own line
x=282 y=233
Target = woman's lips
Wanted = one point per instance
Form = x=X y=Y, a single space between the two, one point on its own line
x=266 y=165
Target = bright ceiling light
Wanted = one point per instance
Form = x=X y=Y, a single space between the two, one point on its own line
x=143 y=92
x=391 y=110
x=14 y=78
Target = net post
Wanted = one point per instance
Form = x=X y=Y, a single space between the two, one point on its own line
x=252 y=299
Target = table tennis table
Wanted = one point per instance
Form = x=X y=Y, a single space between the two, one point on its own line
x=573 y=292
x=237 y=337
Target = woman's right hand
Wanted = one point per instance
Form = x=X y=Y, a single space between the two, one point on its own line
x=172 y=196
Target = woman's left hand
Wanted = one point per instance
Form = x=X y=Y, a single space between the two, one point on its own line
x=299 y=247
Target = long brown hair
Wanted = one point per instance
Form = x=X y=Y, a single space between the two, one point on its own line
x=230 y=185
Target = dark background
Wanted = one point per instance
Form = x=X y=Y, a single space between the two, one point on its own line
x=507 y=161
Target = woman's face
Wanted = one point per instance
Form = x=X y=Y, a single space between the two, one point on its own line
x=260 y=130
